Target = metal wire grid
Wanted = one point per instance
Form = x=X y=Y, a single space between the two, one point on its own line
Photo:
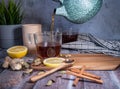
x=87 y=43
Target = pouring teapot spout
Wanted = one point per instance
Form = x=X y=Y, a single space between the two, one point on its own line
x=61 y=11
x=79 y=11
x=61 y=1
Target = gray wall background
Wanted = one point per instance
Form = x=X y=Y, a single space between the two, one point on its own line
x=105 y=25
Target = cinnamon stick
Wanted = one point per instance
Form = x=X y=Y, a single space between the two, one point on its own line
x=87 y=77
x=84 y=73
x=91 y=75
x=77 y=79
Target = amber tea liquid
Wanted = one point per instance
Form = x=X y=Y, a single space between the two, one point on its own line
x=69 y=38
x=48 y=49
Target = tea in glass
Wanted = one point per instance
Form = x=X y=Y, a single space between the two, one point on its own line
x=69 y=37
x=50 y=44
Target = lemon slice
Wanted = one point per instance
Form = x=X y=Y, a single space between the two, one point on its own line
x=53 y=62
x=17 y=51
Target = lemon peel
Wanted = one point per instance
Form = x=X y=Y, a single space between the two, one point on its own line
x=53 y=61
x=17 y=51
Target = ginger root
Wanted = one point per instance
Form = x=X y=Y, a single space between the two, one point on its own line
x=6 y=62
x=15 y=64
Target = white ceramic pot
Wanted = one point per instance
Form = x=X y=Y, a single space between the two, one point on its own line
x=28 y=40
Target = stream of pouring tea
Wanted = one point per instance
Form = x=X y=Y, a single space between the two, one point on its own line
x=52 y=21
x=52 y=24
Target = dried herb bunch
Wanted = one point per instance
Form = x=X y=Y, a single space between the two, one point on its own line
x=10 y=13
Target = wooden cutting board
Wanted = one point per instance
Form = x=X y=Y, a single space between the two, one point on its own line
x=95 y=61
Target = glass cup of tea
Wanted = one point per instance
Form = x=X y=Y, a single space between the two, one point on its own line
x=69 y=36
x=48 y=44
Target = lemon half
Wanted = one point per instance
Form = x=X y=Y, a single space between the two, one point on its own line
x=17 y=51
x=53 y=61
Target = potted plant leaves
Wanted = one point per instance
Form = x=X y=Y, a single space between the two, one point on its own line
x=10 y=23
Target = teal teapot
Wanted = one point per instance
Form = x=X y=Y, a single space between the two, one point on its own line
x=78 y=11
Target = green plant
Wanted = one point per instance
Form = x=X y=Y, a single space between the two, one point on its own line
x=10 y=13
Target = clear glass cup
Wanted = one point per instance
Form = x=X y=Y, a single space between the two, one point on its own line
x=48 y=44
x=69 y=36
